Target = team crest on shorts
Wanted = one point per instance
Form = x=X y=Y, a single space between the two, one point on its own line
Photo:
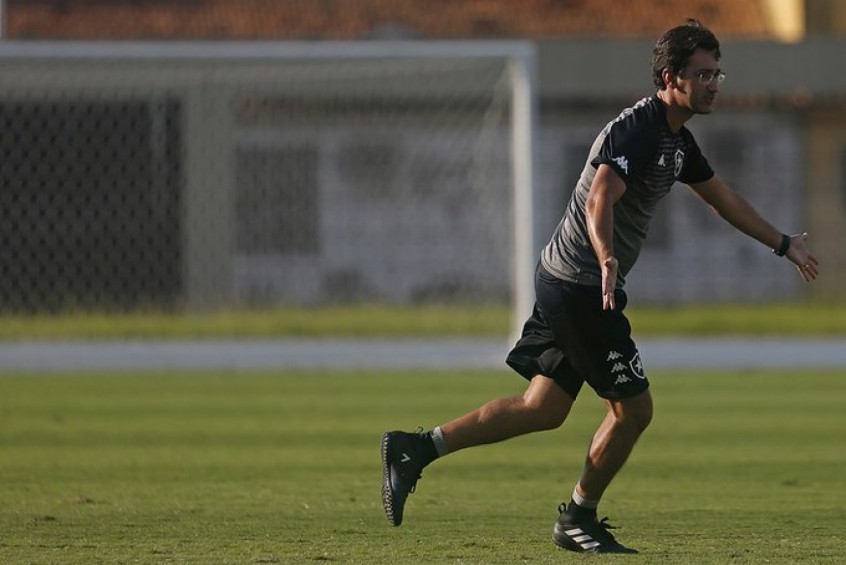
x=637 y=366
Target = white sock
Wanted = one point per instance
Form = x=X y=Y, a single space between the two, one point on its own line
x=584 y=502
x=440 y=443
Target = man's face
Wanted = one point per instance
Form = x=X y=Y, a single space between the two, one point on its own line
x=699 y=82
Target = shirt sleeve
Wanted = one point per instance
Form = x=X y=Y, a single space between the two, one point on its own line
x=629 y=145
x=696 y=168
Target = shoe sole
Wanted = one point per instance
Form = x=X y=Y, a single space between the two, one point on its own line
x=387 y=490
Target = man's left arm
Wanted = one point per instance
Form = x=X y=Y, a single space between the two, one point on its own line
x=735 y=209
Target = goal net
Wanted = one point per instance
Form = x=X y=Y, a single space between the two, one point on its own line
x=200 y=176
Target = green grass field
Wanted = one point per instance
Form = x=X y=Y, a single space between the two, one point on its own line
x=284 y=468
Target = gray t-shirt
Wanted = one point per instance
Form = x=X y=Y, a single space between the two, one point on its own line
x=649 y=158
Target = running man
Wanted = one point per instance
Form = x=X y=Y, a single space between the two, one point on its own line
x=578 y=332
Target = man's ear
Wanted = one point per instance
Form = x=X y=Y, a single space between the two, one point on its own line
x=669 y=78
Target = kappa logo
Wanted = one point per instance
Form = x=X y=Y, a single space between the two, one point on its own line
x=661 y=162
x=613 y=356
x=618 y=367
x=622 y=379
x=679 y=157
x=622 y=162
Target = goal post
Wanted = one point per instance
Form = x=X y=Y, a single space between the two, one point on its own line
x=524 y=114
x=204 y=175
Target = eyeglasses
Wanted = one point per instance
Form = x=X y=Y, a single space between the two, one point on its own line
x=707 y=77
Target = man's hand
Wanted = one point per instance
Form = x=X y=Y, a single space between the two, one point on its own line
x=609 y=283
x=801 y=256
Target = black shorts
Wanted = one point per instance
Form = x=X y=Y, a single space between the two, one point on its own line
x=572 y=340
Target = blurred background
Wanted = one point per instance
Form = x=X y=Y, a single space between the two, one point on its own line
x=190 y=156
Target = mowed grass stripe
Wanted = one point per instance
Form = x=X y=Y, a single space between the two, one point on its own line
x=284 y=468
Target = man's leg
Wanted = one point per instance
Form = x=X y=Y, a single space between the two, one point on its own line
x=543 y=406
x=613 y=442
x=577 y=528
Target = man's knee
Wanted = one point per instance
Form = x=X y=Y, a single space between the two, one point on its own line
x=547 y=402
x=642 y=417
x=548 y=417
x=635 y=412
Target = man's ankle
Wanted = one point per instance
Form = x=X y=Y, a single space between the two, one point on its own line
x=581 y=507
x=580 y=513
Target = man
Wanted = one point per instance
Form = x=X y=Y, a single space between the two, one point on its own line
x=578 y=332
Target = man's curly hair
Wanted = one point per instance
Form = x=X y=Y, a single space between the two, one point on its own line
x=677 y=44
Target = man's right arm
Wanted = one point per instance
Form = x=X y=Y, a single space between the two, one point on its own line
x=607 y=188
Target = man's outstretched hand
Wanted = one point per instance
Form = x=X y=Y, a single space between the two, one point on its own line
x=805 y=261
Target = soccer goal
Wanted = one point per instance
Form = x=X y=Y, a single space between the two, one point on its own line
x=207 y=175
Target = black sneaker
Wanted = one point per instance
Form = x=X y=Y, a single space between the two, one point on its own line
x=403 y=460
x=585 y=535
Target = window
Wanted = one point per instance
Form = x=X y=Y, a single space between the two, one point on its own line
x=89 y=206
